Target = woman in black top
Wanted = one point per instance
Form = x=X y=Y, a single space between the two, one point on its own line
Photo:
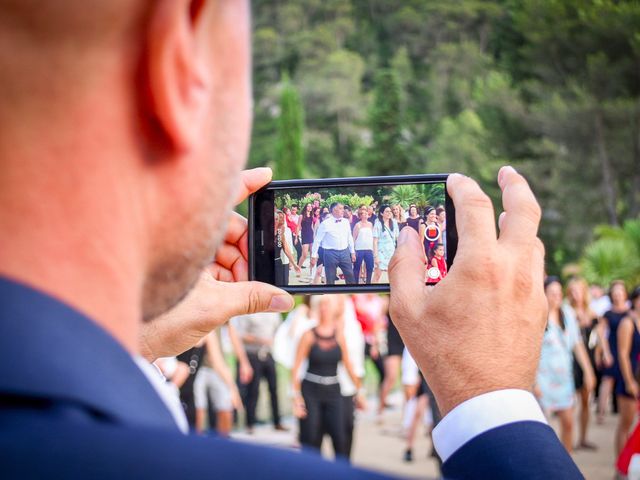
x=317 y=399
x=579 y=301
x=414 y=220
x=305 y=226
x=607 y=329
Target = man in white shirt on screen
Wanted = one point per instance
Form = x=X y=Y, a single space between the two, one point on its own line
x=334 y=236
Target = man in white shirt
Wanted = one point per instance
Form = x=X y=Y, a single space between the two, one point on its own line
x=334 y=236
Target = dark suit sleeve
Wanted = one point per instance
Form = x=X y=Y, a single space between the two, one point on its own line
x=521 y=450
x=33 y=448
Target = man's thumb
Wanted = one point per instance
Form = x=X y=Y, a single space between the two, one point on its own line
x=242 y=298
x=407 y=267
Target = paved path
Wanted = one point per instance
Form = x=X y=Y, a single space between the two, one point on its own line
x=380 y=446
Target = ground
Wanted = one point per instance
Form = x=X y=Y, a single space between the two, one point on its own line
x=380 y=446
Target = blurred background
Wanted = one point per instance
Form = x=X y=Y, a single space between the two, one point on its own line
x=382 y=87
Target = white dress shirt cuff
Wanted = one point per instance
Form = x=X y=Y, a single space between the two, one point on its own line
x=481 y=414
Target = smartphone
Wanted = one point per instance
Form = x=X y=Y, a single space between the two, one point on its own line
x=337 y=235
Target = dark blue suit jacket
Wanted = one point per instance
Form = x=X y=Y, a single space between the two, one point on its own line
x=73 y=404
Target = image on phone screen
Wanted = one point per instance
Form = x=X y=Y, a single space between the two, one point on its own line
x=345 y=235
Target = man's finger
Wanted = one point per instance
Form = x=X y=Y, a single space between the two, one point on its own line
x=231 y=258
x=242 y=298
x=475 y=220
x=237 y=233
x=407 y=268
x=218 y=272
x=251 y=181
x=521 y=210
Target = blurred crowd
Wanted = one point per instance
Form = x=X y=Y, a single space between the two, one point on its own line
x=589 y=359
x=323 y=346
x=328 y=344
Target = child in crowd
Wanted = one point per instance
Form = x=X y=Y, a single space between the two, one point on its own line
x=437 y=267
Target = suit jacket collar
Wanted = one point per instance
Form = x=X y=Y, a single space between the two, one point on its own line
x=50 y=351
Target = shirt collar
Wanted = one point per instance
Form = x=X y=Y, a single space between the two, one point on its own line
x=48 y=350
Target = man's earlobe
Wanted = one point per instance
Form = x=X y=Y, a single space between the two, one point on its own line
x=176 y=77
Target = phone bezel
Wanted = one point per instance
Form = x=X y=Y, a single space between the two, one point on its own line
x=265 y=272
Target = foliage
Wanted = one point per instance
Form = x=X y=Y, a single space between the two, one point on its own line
x=550 y=87
x=405 y=195
x=284 y=201
x=289 y=153
x=354 y=200
x=433 y=193
x=614 y=255
x=387 y=154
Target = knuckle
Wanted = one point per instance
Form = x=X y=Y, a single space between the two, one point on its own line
x=254 y=302
x=522 y=281
x=482 y=268
x=477 y=199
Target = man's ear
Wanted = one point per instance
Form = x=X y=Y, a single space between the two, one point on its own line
x=177 y=73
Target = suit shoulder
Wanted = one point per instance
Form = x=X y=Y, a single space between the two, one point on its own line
x=521 y=450
x=105 y=451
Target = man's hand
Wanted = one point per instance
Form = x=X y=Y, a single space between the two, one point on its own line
x=360 y=401
x=633 y=389
x=353 y=258
x=607 y=359
x=299 y=407
x=245 y=372
x=221 y=292
x=480 y=329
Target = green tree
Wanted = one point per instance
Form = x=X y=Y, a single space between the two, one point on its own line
x=462 y=145
x=387 y=154
x=289 y=152
x=404 y=195
x=614 y=255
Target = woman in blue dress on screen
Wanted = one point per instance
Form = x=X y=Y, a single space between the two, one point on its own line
x=385 y=236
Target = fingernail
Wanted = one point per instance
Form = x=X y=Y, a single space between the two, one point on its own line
x=455 y=176
x=404 y=235
x=503 y=171
x=281 y=303
x=501 y=219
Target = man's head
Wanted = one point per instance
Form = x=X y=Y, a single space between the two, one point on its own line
x=132 y=118
x=337 y=209
x=294 y=209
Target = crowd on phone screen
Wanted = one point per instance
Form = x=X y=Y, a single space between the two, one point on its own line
x=337 y=242
x=589 y=361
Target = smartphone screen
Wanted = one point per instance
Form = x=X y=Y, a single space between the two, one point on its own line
x=318 y=236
